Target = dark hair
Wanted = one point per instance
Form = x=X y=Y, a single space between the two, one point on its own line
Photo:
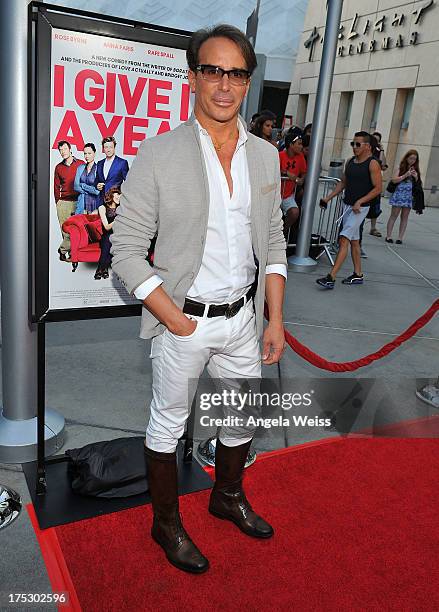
x=306 y=139
x=220 y=31
x=378 y=134
x=258 y=125
x=109 y=139
x=269 y=114
x=307 y=127
x=90 y=145
x=108 y=197
x=255 y=116
x=376 y=151
x=63 y=142
x=292 y=136
x=367 y=137
x=404 y=166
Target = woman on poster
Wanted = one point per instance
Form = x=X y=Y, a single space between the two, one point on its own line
x=88 y=200
x=107 y=213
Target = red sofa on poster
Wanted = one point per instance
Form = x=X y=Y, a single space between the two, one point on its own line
x=84 y=241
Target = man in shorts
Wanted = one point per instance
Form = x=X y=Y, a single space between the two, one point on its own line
x=293 y=169
x=362 y=183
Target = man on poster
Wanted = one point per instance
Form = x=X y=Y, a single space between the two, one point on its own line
x=212 y=192
x=64 y=193
x=112 y=170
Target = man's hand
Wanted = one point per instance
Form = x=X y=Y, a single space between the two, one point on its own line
x=100 y=186
x=356 y=208
x=183 y=327
x=273 y=343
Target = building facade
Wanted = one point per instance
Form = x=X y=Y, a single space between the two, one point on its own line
x=386 y=79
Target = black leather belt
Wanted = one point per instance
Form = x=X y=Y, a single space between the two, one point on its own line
x=218 y=310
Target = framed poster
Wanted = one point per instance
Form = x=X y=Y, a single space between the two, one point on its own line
x=100 y=86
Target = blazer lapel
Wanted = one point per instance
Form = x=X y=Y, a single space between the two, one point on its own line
x=254 y=170
x=192 y=127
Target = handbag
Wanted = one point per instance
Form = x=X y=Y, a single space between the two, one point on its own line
x=391 y=187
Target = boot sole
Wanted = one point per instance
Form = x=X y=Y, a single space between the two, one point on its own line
x=224 y=517
x=177 y=565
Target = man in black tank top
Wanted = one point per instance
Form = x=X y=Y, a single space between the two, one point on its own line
x=362 y=183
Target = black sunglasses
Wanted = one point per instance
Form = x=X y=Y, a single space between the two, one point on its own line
x=356 y=144
x=214 y=74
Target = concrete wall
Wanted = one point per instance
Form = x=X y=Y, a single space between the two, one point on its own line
x=392 y=71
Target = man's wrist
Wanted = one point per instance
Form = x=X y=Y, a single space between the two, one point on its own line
x=276 y=319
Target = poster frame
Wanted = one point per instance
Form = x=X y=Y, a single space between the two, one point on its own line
x=43 y=18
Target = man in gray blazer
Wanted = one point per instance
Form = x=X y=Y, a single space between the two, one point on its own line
x=211 y=192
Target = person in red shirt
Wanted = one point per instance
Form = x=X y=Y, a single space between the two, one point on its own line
x=293 y=169
x=64 y=193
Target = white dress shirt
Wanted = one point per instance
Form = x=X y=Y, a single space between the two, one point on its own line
x=107 y=165
x=227 y=267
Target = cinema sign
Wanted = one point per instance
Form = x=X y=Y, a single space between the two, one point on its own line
x=351 y=42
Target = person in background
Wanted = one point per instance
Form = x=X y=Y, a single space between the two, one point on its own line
x=361 y=183
x=252 y=121
x=263 y=128
x=307 y=130
x=293 y=169
x=402 y=201
x=300 y=188
x=270 y=115
x=375 y=206
x=107 y=212
x=379 y=151
x=88 y=200
x=64 y=192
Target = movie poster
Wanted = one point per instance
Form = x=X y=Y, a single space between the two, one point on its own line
x=102 y=89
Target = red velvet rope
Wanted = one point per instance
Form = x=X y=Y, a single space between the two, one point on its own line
x=349 y=366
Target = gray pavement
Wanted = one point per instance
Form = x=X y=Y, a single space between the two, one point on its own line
x=98 y=372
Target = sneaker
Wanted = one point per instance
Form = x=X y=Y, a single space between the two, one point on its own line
x=430 y=395
x=353 y=279
x=363 y=254
x=327 y=282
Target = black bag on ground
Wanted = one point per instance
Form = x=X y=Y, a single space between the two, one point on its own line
x=114 y=468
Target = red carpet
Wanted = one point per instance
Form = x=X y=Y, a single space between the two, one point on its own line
x=357 y=528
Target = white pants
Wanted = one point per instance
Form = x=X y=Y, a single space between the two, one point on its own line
x=229 y=348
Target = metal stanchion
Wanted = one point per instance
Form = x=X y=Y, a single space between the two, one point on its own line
x=18 y=422
x=301 y=262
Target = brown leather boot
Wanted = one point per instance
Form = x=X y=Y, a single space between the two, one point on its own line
x=167 y=529
x=228 y=500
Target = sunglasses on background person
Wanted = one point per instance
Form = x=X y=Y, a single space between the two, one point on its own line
x=214 y=74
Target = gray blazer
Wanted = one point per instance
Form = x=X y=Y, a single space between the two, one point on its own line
x=167 y=192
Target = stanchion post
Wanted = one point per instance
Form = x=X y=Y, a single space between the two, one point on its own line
x=301 y=262
x=41 y=409
x=18 y=422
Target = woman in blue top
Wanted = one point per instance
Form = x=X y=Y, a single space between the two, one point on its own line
x=401 y=200
x=88 y=200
